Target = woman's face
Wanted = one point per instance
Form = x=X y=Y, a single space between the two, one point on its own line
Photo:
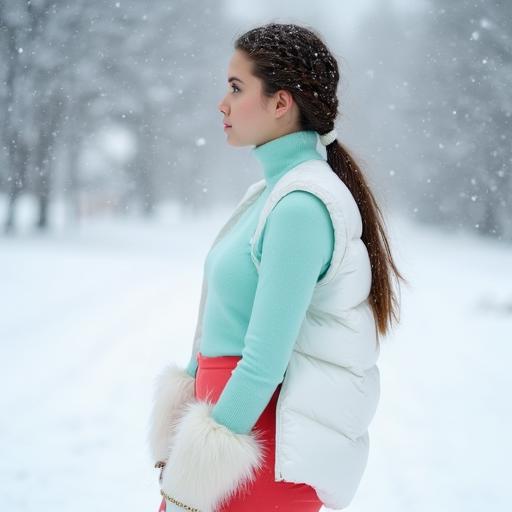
x=253 y=118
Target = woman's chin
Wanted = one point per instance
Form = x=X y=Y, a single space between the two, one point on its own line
x=232 y=141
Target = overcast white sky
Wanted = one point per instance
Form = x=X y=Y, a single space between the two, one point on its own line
x=348 y=12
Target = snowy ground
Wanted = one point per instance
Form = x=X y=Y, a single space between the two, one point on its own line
x=89 y=316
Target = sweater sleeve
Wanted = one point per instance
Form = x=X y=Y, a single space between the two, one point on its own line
x=297 y=246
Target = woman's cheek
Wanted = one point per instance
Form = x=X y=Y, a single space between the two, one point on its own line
x=246 y=108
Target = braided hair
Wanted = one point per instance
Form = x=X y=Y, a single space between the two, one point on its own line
x=294 y=58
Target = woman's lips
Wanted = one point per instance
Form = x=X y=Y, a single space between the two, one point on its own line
x=227 y=126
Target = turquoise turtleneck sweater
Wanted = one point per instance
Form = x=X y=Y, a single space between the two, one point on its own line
x=258 y=316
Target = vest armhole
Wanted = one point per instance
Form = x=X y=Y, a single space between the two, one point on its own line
x=337 y=221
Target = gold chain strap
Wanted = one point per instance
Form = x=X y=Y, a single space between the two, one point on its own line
x=186 y=507
x=161 y=464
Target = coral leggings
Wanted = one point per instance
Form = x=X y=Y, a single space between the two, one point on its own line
x=263 y=493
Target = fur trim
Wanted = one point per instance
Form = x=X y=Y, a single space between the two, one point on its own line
x=208 y=462
x=174 y=388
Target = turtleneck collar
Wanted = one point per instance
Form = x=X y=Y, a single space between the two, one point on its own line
x=283 y=153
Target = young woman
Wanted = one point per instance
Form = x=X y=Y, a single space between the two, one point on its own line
x=272 y=411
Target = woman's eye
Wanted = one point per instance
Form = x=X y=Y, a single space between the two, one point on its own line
x=233 y=85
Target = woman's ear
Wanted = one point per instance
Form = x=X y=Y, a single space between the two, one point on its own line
x=284 y=102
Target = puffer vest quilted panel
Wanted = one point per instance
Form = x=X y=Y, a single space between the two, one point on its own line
x=331 y=386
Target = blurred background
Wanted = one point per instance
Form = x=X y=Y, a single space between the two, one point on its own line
x=115 y=176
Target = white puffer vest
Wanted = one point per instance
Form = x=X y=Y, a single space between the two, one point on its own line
x=331 y=387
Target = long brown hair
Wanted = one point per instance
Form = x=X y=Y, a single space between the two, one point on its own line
x=294 y=58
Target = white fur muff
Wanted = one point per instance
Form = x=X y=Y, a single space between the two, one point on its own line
x=208 y=462
x=174 y=388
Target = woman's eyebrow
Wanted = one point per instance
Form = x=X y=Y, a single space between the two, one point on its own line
x=232 y=78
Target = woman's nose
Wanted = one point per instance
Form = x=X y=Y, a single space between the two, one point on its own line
x=222 y=107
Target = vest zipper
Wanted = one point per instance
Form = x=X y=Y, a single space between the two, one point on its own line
x=278 y=476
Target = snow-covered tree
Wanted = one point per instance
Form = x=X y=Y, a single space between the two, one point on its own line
x=461 y=100
x=70 y=70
